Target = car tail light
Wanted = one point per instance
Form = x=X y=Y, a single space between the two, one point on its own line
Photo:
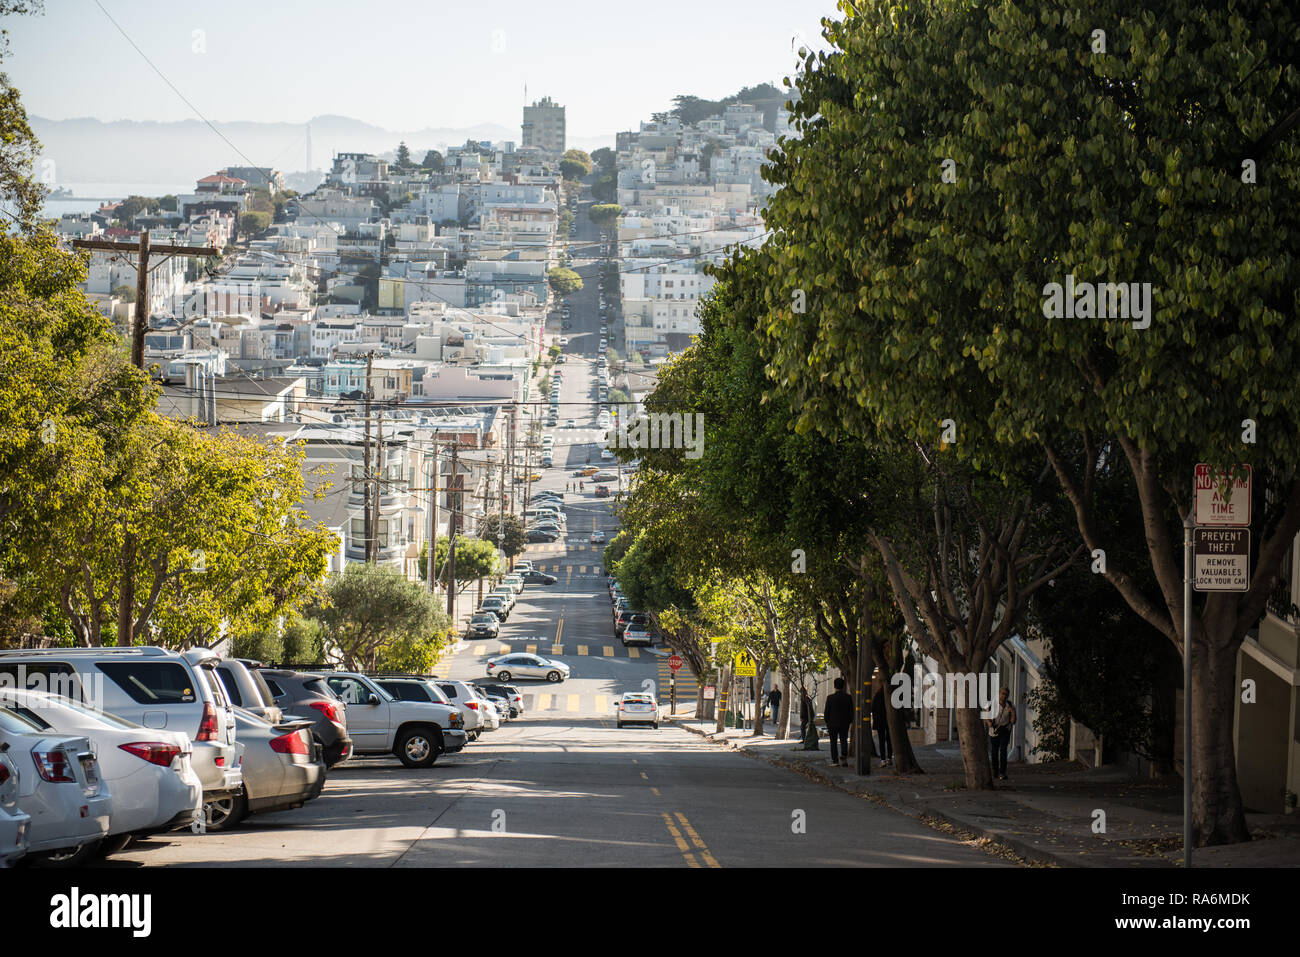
x=4 y=773
x=490 y=666
x=54 y=766
x=207 y=726
x=472 y=705
x=155 y=752
x=291 y=743
x=327 y=708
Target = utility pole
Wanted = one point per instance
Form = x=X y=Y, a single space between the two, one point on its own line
x=862 y=701
x=126 y=598
x=433 y=518
x=144 y=251
x=378 y=483
x=453 y=523
x=365 y=475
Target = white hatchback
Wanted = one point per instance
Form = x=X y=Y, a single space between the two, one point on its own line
x=638 y=707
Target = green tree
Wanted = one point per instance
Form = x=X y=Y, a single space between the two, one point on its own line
x=433 y=160
x=505 y=533
x=929 y=296
x=370 y=608
x=403 y=160
x=605 y=189
x=563 y=281
x=254 y=222
x=605 y=158
x=475 y=559
x=605 y=215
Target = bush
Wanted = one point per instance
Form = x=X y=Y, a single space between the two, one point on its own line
x=254 y=222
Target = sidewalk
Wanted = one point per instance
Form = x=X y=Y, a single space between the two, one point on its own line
x=1043 y=814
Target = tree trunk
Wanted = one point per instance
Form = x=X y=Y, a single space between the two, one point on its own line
x=723 y=682
x=974 y=738
x=782 y=716
x=1217 y=814
x=759 y=702
x=904 y=757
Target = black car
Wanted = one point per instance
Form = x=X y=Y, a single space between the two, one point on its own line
x=538 y=535
x=538 y=578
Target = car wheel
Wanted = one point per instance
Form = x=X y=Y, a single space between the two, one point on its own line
x=418 y=748
x=656 y=725
x=224 y=813
x=552 y=676
x=620 y=724
x=503 y=675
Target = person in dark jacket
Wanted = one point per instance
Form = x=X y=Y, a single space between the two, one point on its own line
x=839 y=717
x=880 y=719
x=774 y=702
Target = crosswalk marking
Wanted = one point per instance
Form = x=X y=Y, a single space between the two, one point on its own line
x=531 y=649
x=602 y=702
x=582 y=649
x=557 y=649
x=505 y=649
x=633 y=653
x=609 y=651
x=544 y=702
x=479 y=650
x=572 y=704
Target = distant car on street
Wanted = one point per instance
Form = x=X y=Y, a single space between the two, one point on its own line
x=598 y=537
x=638 y=707
x=539 y=578
x=505 y=667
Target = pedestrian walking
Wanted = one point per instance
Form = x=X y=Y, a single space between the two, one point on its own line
x=805 y=713
x=880 y=718
x=1000 y=734
x=839 y=716
x=774 y=702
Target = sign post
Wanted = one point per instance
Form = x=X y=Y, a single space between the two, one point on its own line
x=1216 y=557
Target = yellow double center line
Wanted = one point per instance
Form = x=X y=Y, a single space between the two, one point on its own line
x=695 y=840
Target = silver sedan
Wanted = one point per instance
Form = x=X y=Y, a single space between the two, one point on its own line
x=519 y=665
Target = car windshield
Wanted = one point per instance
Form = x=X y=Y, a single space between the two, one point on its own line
x=86 y=711
x=15 y=723
x=483 y=619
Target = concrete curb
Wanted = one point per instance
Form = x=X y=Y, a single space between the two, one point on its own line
x=895 y=802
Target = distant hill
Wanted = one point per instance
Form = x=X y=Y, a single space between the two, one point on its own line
x=128 y=151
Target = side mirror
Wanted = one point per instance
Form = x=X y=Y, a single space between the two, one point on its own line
x=373 y=700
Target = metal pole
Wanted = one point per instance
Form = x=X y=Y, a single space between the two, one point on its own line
x=432 y=539
x=1188 y=526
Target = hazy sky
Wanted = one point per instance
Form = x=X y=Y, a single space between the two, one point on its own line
x=401 y=64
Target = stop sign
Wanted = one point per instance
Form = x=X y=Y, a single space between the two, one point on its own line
x=675 y=663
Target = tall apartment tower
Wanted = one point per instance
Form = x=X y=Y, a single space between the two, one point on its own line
x=543 y=126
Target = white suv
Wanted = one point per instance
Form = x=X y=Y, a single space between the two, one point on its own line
x=151 y=686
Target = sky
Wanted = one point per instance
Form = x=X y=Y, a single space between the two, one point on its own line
x=401 y=64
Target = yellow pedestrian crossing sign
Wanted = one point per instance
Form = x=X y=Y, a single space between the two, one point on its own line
x=745 y=666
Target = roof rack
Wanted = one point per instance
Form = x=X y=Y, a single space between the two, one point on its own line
x=152 y=651
x=298 y=666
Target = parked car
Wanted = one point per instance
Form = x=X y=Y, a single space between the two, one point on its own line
x=537 y=535
x=153 y=687
x=484 y=625
x=539 y=578
x=283 y=768
x=464 y=696
x=302 y=695
x=637 y=707
x=506 y=594
x=524 y=566
x=147 y=770
x=570 y=424
x=246 y=690
x=621 y=621
x=497 y=605
x=424 y=689
x=15 y=823
x=502 y=705
x=514 y=581
x=606 y=455
x=59 y=787
x=521 y=665
x=382 y=724
x=602 y=491
x=598 y=537
x=510 y=693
